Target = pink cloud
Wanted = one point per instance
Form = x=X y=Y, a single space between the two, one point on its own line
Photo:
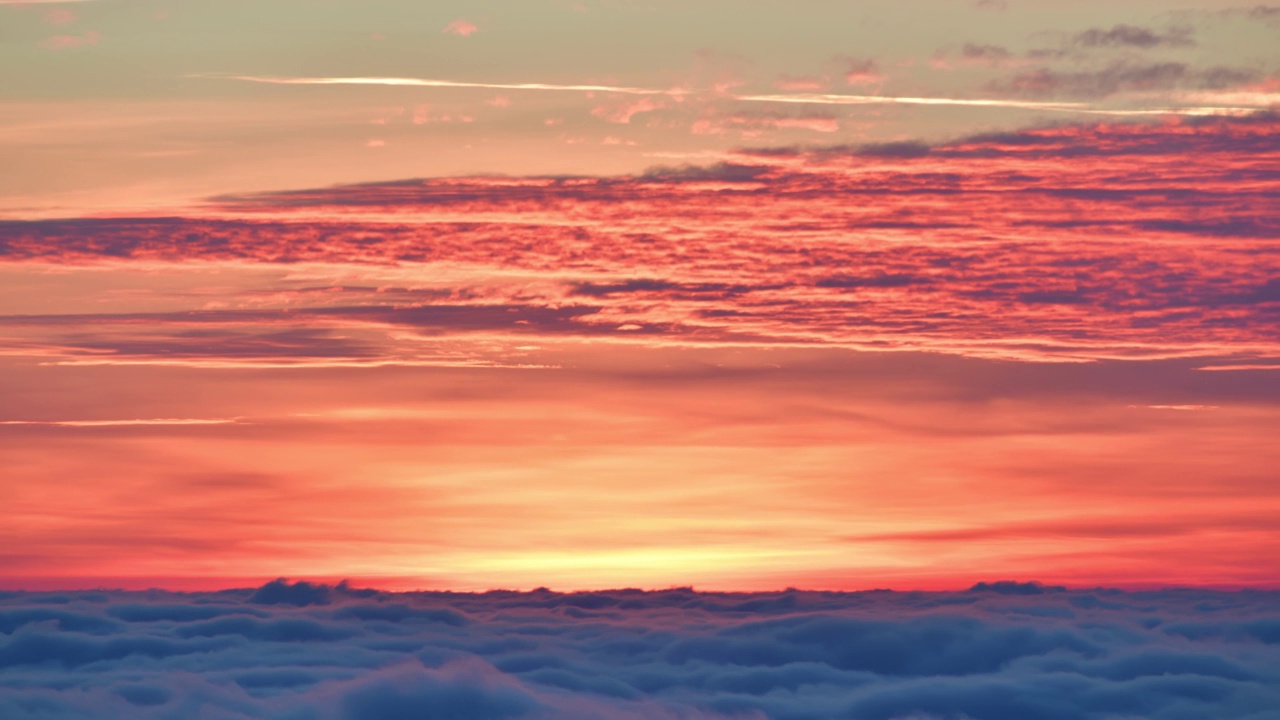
x=460 y=27
x=59 y=16
x=61 y=42
x=863 y=72
x=943 y=261
x=622 y=113
x=754 y=125
x=799 y=83
x=816 y=124
x=422 y=115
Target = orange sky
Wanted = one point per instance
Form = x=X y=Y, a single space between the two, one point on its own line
x=996 y=301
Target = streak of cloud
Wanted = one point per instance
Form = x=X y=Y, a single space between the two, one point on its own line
x=126 y=423
x=62 y=42
x=792 y=98
x=426 y=82
x=1133 y=36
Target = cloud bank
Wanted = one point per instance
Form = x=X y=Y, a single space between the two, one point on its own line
x=301 y=651
x=1075 y=242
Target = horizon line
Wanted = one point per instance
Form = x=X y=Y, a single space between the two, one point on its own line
x=1000 y=586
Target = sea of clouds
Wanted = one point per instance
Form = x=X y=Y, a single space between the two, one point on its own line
x=298 y=651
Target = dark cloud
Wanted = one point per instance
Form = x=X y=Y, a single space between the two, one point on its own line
x=1002 y=650
x=720 y=172
x=893 y=150
x=972 y=51
x=1119 y=77
x=1262 y=13
x=1122 y=76
x=1013 y=587
x=1133 y=36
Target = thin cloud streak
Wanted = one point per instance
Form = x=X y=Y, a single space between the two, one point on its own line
x=835 y=99
x=1068 y=107
x=287 y=364
x=798 y=99
x=428 y=82
x=126 y=423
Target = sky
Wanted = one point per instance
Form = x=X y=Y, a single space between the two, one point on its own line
x=740 y=296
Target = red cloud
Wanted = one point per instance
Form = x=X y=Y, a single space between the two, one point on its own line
x=1071 y=242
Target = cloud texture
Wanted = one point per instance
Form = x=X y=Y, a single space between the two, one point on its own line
x=300 y=652
x=1064 y=242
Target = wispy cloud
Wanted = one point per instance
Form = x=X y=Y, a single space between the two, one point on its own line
x=59 y=16
x=61 y=42
x=1132 y=36
x=459 y=27
x=1028 y=85
x=1122 y=77
x=1009 y=281
x=126 y=423
x=427 y=82
x=840 y=99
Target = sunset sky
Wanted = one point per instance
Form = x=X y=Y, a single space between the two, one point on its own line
x=600 y=294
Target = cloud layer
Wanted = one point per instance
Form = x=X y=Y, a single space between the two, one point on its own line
x=299 y=651
x=1066 y=242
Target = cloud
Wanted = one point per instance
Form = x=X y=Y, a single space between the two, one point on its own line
x=62 y=42
x=755 y=124
x=1132 y=36
x=1121 y=77
x=623 y=112
x=426 y=82
x=972 y=51
x=799 y=83
x=1266 y=13
x=459 y=27
x=841 y=99
x=125 y=423
x=1004 y=650
x=1025 y=85
x=862 y=72
x=1037 y=263
x=281 y=592
x=59 y=16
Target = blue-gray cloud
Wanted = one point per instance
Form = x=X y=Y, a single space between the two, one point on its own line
x=309 y=652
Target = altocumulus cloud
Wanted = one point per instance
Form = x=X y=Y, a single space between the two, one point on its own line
x=311 y=652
